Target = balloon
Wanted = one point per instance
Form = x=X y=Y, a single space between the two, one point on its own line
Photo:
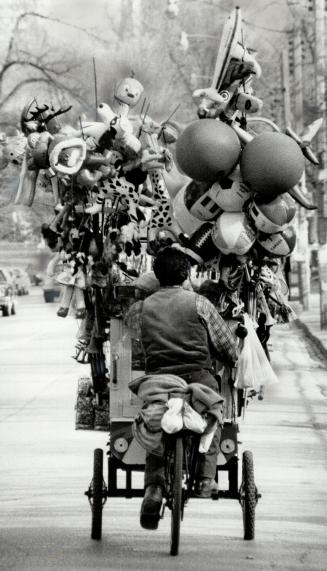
x=273 y=216
x=272 y=163
x=233 y=234
x=184 y=217
x=200 y=247
x=207 y=149
x=174 y=181
x=230 y=193
x=280 y=244
x=193 y=205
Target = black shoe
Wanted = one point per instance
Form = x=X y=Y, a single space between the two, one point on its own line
x=206 y=487
x=151 y=506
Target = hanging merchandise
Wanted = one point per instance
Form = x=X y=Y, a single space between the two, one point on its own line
x=174 y=181
x=233 y=234
x=193 y=205
x=279 y=244
x=200 y=246
x=207 y=149
x=253 y=368
x=274 y=216
x=119 y=195
x=127 y=95
x=271 y=164
x=230 y=193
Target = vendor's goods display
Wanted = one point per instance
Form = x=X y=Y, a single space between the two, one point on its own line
x=118 y=197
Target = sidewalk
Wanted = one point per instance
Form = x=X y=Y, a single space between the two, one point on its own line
x=309 y=322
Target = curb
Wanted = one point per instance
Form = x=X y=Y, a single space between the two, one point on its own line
x=313 y=338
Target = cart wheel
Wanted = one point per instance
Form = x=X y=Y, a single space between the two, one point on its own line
x=97 y=494
x=98 y=371
x=248 y=495
x=176 y=509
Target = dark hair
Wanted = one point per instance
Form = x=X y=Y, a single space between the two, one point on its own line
x=171 y=266
x=211 y=291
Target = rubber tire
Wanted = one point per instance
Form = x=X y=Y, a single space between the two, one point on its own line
x=250 y=495
x=98 y=371
x=176 y=511
x=96 y=530
x=13 y=309
x=5 y=311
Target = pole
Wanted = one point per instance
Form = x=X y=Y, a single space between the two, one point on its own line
x=286 y=89
x=321 y=139
x=287 y=121
x=302 y=250
x=95 y=88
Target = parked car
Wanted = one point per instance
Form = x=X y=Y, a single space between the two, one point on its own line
x=7 y=293
x=22 y=281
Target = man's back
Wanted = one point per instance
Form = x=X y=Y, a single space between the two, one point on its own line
x=173 y=336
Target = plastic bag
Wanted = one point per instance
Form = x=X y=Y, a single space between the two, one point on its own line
x=172 y=420
x=253 y=368
x=181 y=415
x=206 y=439
x=193 y=420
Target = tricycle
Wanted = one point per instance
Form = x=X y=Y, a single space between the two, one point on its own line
x=126 y=457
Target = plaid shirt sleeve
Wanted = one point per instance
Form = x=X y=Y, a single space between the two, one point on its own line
x=133 y=319
x=221 y=337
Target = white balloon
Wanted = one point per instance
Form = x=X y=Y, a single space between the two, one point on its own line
x=233 y=234
x=230 y=193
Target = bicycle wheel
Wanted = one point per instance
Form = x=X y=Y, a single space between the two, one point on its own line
x=248 y=495
x=176 y=509
x=97 y=494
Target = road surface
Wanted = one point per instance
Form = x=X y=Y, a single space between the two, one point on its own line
x=46 y=466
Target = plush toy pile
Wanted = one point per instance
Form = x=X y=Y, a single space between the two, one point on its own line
x=228 y=199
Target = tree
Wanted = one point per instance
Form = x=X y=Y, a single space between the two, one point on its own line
x=34 y=64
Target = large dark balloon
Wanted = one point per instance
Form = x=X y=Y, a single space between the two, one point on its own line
x=207 y=149
x=272 y=163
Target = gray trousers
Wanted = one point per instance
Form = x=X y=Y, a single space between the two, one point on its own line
x=154 y=472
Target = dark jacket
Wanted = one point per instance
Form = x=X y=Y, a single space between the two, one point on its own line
x=174 y=338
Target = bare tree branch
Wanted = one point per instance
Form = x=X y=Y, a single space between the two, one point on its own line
x=43 y=69
x=47 y=78
x=185 y=78
x=18 y=86
x=309 y=40
x=25 y=15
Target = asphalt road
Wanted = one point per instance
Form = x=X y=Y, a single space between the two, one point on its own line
x=46 y=466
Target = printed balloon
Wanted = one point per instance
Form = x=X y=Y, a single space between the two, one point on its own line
x=233 y=234
x=230 y=193
x=193 y=205
x=273 y=216
x=280 y=244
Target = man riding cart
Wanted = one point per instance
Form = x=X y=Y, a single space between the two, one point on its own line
x=181 y=332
